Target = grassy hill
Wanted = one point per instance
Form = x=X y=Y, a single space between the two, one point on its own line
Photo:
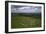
x=25 y=20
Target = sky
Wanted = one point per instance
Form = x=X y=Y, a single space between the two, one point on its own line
x=25 y=9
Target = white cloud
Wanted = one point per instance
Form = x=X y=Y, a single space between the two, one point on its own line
x=27 y=10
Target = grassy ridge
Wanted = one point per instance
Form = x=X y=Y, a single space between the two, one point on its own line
x=22 y=21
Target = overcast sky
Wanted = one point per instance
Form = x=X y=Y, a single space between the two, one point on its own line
x=25 y=9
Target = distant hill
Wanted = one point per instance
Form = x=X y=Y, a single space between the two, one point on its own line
x=26 y=14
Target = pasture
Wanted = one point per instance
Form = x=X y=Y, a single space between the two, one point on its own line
x=25 y=21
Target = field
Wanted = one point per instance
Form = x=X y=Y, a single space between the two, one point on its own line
x=25 y=21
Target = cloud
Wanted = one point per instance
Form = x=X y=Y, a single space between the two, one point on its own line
x=27 y=9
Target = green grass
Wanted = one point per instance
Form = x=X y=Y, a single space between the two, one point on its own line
x=25 y=21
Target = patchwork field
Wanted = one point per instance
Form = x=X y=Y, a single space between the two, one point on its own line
x=22 y=21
